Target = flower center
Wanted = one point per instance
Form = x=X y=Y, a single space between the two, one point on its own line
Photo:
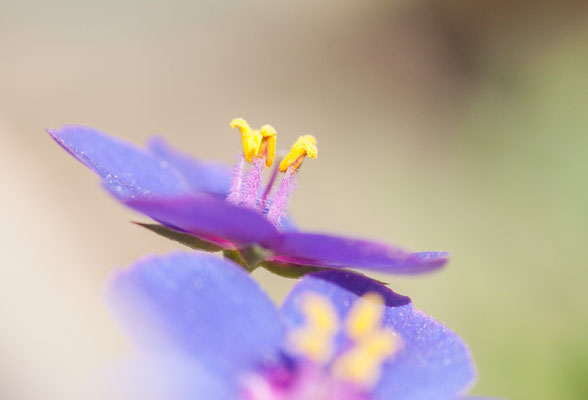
x=259 y=148
x=332 y=359
x=368 y=344
x=305 y=381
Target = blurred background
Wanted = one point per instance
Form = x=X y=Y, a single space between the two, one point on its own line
x=443 y=124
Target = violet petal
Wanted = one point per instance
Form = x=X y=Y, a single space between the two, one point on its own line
x=210 y=217
x=335 y=251
x=200 y=307
x=201 y=176
x=432 y=363
x=126 y=170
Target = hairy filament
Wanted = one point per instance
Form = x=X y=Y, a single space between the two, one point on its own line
x=269 y=186
x=234 y=196
x=252 y=182
x=280 y=199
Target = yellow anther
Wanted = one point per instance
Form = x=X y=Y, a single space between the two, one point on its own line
x=250 y=137
x=313 y=346
x=362 y=364
x=257 y=143
x=315 y=339
x=372 y=344
x=365 y=316
x=320 y=313
x=241 y=124
x=268 y=143
x=302 y=147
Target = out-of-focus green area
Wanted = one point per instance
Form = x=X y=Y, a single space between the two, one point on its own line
x=522 y=223
x=532 y=146
x=440 y=126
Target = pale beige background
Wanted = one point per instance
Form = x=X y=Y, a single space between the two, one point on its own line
x=439 y=128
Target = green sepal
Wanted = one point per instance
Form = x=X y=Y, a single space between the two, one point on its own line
x=235 y=256
x=181 y=237
x=289 y=270
x=248 y=257
x=254 y=255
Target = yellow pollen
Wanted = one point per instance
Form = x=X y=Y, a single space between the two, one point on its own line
x=365 y=316
x=372 y=344
x=257 y=143
x=302 y=147
x=268 y=143
x=315 y=339
x=362 y=364
x=251 y=138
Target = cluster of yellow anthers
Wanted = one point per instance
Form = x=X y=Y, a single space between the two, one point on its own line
x=372 y=344
x=262 y=143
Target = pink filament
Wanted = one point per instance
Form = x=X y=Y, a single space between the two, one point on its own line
x=280 y=200
x=269 y=186
x=234 y=196
x=252 y=182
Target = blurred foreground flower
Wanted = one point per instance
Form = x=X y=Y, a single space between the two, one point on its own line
x=202 y=206
x=208 y=331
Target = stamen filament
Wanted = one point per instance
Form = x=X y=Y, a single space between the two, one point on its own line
x=259 y=147
x=234 y=196
x=280 y=199
x=252 y=182
x=269 y=187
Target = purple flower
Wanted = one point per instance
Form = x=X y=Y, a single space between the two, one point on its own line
x=206 y=330
x=206 y=206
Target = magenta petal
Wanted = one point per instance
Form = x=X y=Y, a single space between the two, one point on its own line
x=335 y=251
x=209 y=217
x=433 y=363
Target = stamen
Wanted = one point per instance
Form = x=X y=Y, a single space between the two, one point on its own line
x=234 y=196
x=373 y=345
x=268 y=144
x=316 y=339
x=365 y=316
x=268 y=187
x=280 y=199
x=362 y=364
x=257 y=143
x=302 y=147
x=251 y=138
x=252 y=182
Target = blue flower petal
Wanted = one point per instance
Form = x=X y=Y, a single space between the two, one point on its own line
x=200 y=307
x=433 y=362
x=126 y=170
x=287 y=224
x=210 y=217
x=336 y=251
x=201 y=176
